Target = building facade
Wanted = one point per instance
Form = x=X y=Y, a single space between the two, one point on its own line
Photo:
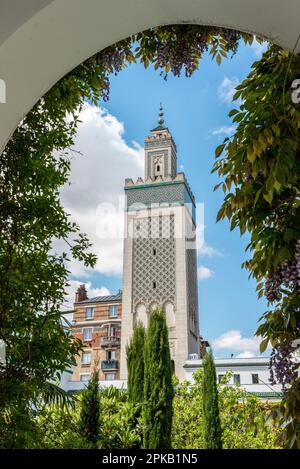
x=160 y=266
x=97 y=323
x=252 y=374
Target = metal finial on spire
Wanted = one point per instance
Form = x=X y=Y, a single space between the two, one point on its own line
x=161 y=119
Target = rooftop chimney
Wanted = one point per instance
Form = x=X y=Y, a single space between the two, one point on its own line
x=81 y=294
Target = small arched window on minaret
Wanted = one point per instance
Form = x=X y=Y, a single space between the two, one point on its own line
x=160 y=152
x=158 y=166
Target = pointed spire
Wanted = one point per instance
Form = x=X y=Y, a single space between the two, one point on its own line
x=161 y=119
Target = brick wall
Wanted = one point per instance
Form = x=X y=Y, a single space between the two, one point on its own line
x=102 y=327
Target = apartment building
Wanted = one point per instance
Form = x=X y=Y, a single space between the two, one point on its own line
x=97 y=323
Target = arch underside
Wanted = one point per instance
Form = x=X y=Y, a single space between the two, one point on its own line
x=39 y=44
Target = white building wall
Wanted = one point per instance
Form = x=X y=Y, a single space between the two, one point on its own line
x=244 y=367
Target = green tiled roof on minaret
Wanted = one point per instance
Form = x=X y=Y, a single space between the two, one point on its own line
x=161 y=120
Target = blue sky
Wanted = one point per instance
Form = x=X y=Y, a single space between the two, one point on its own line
x=196 y=111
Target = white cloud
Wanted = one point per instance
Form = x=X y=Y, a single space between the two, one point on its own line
x=246 y=354
x=203 y=248
x=226 y=130
x=95 y=197
x=91 y=292
x=227 y=89
x=204 y=273
x=235 y=342
x=206 y=250
x=258 y=49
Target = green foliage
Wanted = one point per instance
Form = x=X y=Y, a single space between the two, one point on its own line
x=118 y=425
x=135 y=365
x=287 y=416
x=187 y=427
x=18 y=428
x=171 y=48
x=212 y=432
x=33 y=167
x=158 y=388
x=60 y=427
x=261 y=172
x=245 y=420
x=90 y=410
x=120 y=421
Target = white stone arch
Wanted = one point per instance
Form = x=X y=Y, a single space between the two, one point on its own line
x=169 y=309
x=141 y=314
x=152 y=306
x=42 y=40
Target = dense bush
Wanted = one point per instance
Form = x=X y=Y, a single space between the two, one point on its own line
x=244 y=418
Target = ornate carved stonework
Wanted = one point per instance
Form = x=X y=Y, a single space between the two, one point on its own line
x=154 y=261
x=169 y=193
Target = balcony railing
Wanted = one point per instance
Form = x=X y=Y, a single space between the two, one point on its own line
x=109 y=365
x=110 y=341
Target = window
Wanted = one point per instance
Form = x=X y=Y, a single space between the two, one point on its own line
x=87 y=334
x=111 y=355
x=109 y=376
x=237 y=379
x=220 y=377
x=89 y=312
x=113 y=311
x=85 y=377
x=86 y=358
x=158 y=168
x=154 y=284
x=154 y=252
x=255 y=378
x=113 y=331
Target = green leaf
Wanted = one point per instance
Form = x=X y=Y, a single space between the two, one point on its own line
x=269 y=196
x=236 y=95
x=263 y=345
x=233 y=112
x=251 y=156
x=219 y=150
x=217 y=186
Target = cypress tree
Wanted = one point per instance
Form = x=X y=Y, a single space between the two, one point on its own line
x=211 y=417
x=135 y=365
x=158 y=389
x=90 y=411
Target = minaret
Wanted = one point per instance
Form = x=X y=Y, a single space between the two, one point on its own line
x=164 y=161
x=160 y=266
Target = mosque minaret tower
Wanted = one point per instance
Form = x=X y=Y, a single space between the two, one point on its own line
x=160 y=260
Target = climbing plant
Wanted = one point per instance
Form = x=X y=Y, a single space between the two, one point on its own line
x=261 y=181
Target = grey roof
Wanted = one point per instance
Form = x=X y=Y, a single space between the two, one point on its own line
x=103 y=299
